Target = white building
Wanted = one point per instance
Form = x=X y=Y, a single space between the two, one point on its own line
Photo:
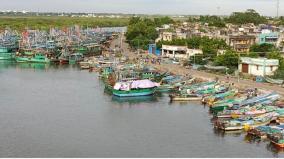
x=180 y=52
x=258 y=66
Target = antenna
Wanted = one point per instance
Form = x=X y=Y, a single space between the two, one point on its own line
x=277 y=9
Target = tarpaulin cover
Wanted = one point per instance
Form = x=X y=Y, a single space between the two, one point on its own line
x=144 y=84
x=135 y=85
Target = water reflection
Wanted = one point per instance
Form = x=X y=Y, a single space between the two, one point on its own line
x=222 y=133
x=134 y=100
x=275 y=151
x=34 y=66
x=252 y=139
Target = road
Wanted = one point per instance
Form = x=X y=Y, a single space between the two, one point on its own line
x=179 y=70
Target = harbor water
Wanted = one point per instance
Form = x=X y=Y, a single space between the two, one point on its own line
x=62 y=111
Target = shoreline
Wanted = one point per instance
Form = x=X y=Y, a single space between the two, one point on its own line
x=180 y=70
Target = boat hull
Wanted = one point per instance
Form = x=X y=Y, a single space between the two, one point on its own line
x=186 y=99
x=133 y=93
x=22 y=59
x=6 y=56
x=46 y=60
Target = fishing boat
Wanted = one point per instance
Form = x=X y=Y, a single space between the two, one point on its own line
x=165 y=88
x=75 y=58
x=277 y=139
x=185 y=97
x=6 y=54
x=21 y=59
x=215 y=97
x=222 y=105
x=39 y=58
x=241 y=124
x=269 y=97
x=134 y=88
x=265 y=132
x=246 y=111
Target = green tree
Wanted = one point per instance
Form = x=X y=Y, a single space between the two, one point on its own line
x=249 y=16
x=141 y=32
x=276 y=55
x=262 y=48
x=228 y=59
x=252 y=55
x=212 y=21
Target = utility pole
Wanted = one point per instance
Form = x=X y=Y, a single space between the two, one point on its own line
x=121 y=40
x=264 y=68
x=277 y=15
x=238 y=67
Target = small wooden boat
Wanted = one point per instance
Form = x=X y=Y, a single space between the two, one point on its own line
x=84 y=65
x=279 y=145
x=185 y=97
x=244 y=124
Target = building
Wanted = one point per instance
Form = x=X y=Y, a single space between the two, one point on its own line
x=152 y=49
x=241 y=43
x=258 y=66
x=168 y=36
x=268 y=37
x=180 y=52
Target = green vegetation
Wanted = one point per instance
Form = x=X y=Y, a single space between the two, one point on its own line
x=198 y=59
x=279 y=74
x=142 y=32
x=163 y=20
x=34 y=22
x=276 y=55
x=262 y=48
x=252 y=55
x=213 y=21
x=228 y=59
x=249 y=16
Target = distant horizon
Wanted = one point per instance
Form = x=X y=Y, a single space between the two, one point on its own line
x=135 y=14
x=145 y=7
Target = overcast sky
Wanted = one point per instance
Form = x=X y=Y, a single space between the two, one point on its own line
x=220 y=7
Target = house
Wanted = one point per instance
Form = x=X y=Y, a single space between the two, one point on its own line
x=258 y=66
x=180 y=52
x=268 y=37
x=168 y=36
x=241 y=43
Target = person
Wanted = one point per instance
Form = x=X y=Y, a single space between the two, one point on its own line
x=255 y=92
x=228 y=79
x=203 y=100
x=216 y=79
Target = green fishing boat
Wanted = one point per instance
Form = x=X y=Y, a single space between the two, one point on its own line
x=6 y=54
x=134 y=88
x=75 y=58
x=22 y=59
x=134 y=92
x=82 y=50
x=39 y=58
x=165 y=88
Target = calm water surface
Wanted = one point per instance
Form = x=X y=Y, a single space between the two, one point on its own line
x=61 y=111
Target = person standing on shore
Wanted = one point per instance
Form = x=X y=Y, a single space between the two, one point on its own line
x=228 y=78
